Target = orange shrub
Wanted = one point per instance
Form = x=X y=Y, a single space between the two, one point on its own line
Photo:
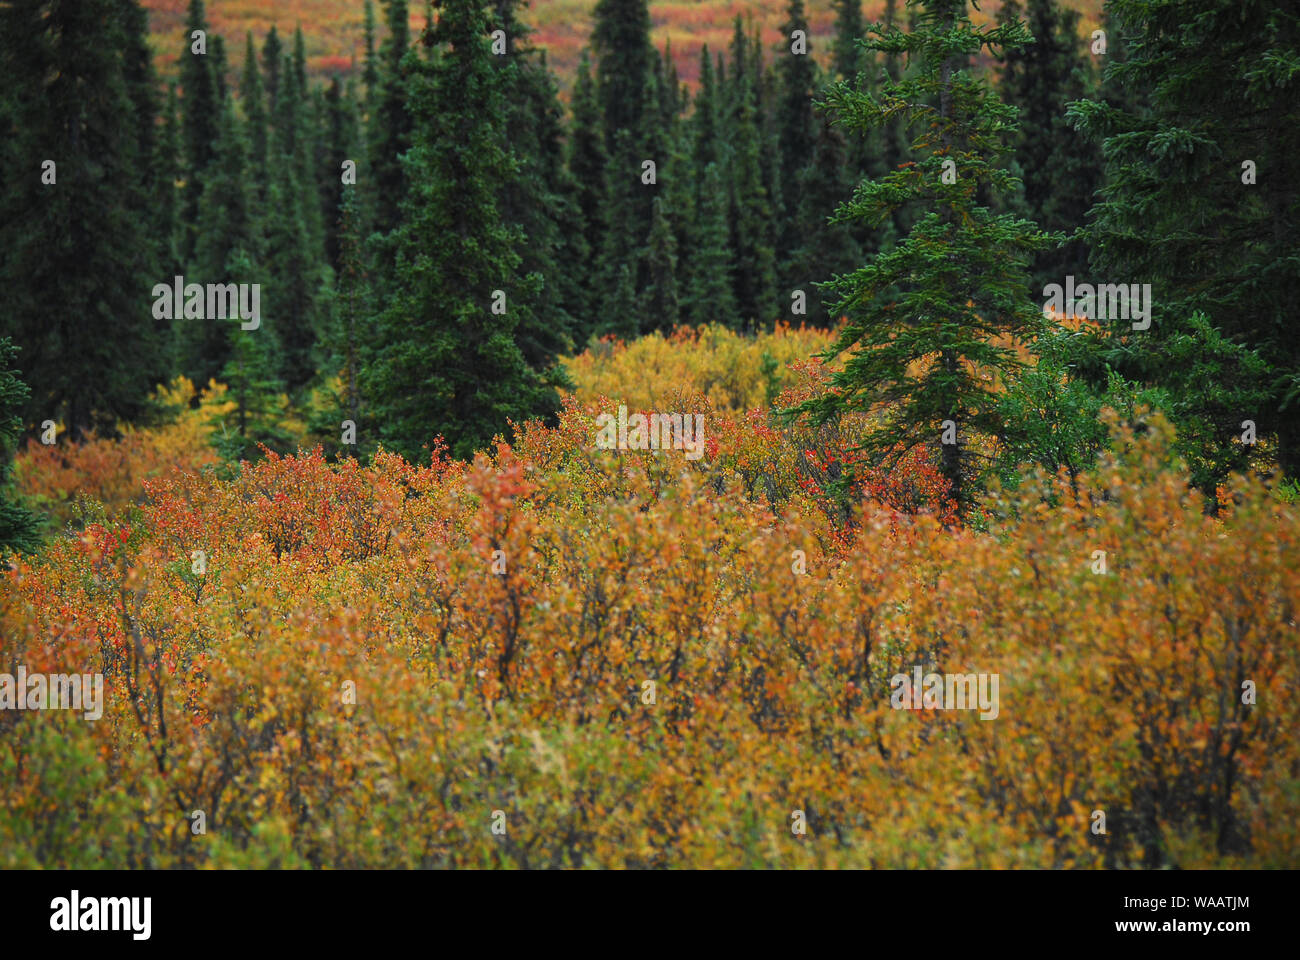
x=625 y=658
x=112 y=472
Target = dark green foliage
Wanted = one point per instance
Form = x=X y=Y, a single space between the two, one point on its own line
x=588 y=158
x=661 y=308
x=712 y=298
x=923 y=316
x=1206 y=86
x=272 y=64
x=796 y=132
x=390 y=121
x=1060 y=170
x=253 y=387
x=587 y=161
x=1053 y=418
x=537 y=197
x=825 y=249
x=370 y=72
x=229 y=233
x=441 y=362
x=76 y=260
x=753 y=276
x=621 y=43
x=19 y=527
x=352 y=309
x=200 y=116
x=341 y=141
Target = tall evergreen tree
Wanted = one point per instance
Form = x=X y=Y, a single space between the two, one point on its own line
x=390 y=123
x=825 y=248
x=849 y=56
x=712 y=296
x=252 y=385
x=1201 y=200
x=351 y=308
x=253 y=101
x=340 y=142
x=536 y=197
x=76 y=265
x=370 y=72
x=796 y=131
x=625 y=87
x=294 y=238
x=753 y=277
x=1060 y=170
x=661 y=309
x=443 y=362
x=588 y=161
x=628 y=226
x=220 y=65
x=620 y=40
x=272 y=64
x=918 y=358
x=227 y=227
x=200 y=113
x=166 y=198
x=299 y=58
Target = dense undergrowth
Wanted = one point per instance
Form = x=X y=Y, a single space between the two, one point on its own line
x=632 y=659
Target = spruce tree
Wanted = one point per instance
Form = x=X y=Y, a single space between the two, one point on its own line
x=712 y=296
x=661 y=308
x=253 y=101
x=588 y=160
x=252 y=386
x=76 y=263
x=200 y=114
x=1200 y=200
x=272 y=64
x=825 y=249
x=536 y=197
x=340 y=141
x=352 y=307
x=628 y=227
x=753 y=276
x=620 y=40
x=227 y=227
x=220 y=66
x=917 y=359
x=166 y=198
x=625 y=87
x=1060 y=170
x=849 y=56
x=370 y=72
x=294 y=251
x=390 y=123
x=299 y=58
x=797 y=132
x=442 y=362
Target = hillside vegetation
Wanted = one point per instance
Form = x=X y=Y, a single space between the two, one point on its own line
x=332 y=28
x=632 y=659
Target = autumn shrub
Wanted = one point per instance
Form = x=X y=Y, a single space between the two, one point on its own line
x=725 y=366
x=625 y=658
x=62 y=478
